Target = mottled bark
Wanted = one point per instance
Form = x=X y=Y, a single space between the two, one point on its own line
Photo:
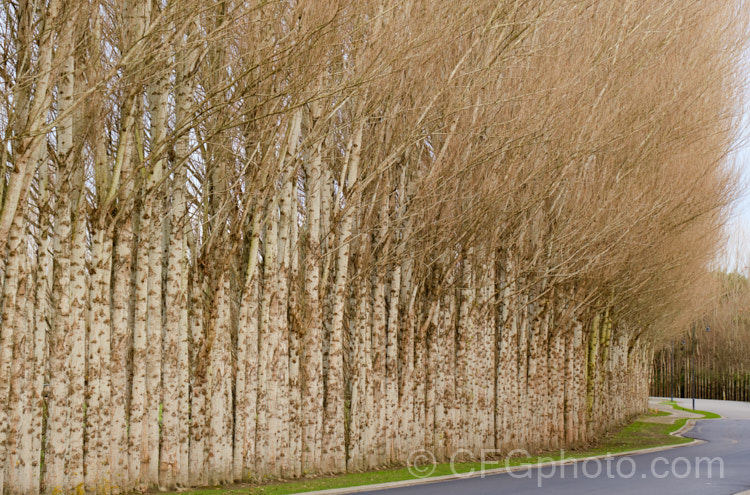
x=312 y=342
x=57 y=454
x=246 y=384
x=98 y=413
x=12 y=356
x=198 y=386
x=219 y=381
x=334 y=458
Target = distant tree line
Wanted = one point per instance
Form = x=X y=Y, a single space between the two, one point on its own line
x=717 y=360
x=277 y=238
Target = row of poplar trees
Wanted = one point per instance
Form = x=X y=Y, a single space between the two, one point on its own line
x=278 y=238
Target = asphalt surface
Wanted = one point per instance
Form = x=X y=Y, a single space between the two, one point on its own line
x=720 y=466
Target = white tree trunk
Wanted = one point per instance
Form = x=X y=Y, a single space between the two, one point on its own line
x=122 y=335
x=32 y=478
x=19 y=438
x=377 y=427
x=13 y=334
x=98 y=423
x=335 y=457
x=198 y=389
x=312 y=342
x=137 y=444
x=246 y=384
x=392 y=365
x=220 y=381
x=78 y=303
x=59 y=409
x=158 y=96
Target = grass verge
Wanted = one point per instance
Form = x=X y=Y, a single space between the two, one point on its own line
x=706 y=414
x=634 y=436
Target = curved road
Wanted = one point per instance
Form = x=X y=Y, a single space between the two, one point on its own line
x=720 y=466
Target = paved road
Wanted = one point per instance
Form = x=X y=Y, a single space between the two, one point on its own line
x=721 y=466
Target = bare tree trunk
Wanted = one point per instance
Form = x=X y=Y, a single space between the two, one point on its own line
x=19 y=439
x=173 y=465
x=312 y=341
x=177 y=362
x=446 y=417
x=509 y=350
x=333 y=445
x=406 y=379
x=14 y=330
x=486 y=349
x=246 y=384
x=391 y=363
x=283 y=328
x=433 y=379
x=98 y=392
x=463 y=341
x=153 y=230
x=524 y=413
x=591 y=375
x=220 y=380
x=138 y=427
x=31 y=479
x=378 y=428
x=296 y=324
x=360 y=366
x=78 y=302
x=59 y=431
x=266 y=380
x=122 y=336
x=98 y=422
x=535 y=366
x=198 y=378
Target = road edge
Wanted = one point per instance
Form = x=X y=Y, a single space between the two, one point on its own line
x=689 y=424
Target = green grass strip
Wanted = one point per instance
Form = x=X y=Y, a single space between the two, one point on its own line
x=635 y=436
x=706 y=414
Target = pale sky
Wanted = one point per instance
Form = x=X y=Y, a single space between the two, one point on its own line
x=738 y=243
x=737 y=255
